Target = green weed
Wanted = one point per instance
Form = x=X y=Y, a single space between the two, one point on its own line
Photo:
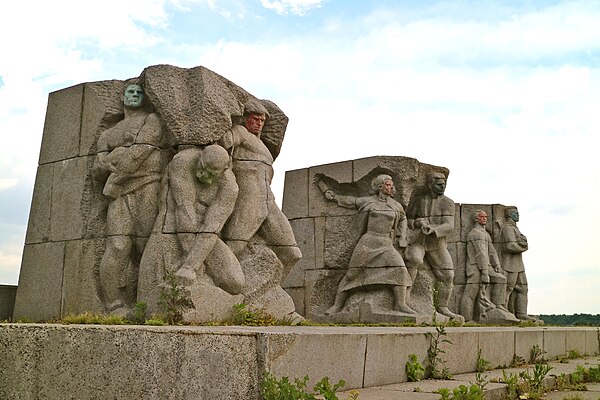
x=414 y=369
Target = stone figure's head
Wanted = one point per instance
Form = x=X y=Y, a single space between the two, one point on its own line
x=437 y=182
x=255 y=115
x=133 y=96
x=212 y=162
x=383 y=184
x=480 y=217
x=512 y=212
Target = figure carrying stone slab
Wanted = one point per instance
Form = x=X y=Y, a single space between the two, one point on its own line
x=130 y=161
x=431 y=219
x=483 y=268
x=255 y=212
x=375 y=261
x=514 y=243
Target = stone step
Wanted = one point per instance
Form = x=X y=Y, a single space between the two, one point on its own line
x=425 y=389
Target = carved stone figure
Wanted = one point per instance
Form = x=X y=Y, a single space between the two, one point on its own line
x=431 y=219
x=199 y=192
x=483 y=268
x=130 y=161
x=514 y=243
x=375 y=261
x=255 y=213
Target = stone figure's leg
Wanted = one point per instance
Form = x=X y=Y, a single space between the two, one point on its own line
x=441 y=266
x=342 y=295
x=413 y=257
x=470 y=293
x=225 y=269
x=521 y=289
x=278 y=235
x=498 y=284
x=400 y=293
x=113 y=270
x=511 y=281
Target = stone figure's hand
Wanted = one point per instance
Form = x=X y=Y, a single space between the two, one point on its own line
x=329 y=195
x=419 y=222
x=485 y=277
x=402 y=243
x=426 y=229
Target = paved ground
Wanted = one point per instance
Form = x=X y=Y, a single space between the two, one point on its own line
x=424 y=390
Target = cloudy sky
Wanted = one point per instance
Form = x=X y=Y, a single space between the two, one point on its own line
x=506 y=94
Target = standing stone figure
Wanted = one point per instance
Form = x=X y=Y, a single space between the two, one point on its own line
x=514 y=243
x=483 y=268
x=431 y=219
x=382 y=227
x=255 y=211
x=130 y=162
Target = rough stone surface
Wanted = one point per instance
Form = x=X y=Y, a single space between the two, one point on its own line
x=317 y=204
x=576 y=340
x=525 y=339
x=123 y=363
x=464 y=344
x=497 y=346
x=81 y=281
x=38 y=228
x=592 y=342
x=67 y=221
x=295 y=193
x=555 y=343
x=39 y=293
x=63 y=125
x=304 y=231
x=7 y=301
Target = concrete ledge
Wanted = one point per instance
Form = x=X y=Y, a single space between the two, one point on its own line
x=51 y=361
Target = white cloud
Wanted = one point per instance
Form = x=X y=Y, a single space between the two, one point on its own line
x=298 y=7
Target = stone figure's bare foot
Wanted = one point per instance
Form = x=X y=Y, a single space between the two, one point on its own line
x=405 y=309
x=445 y=311
x=525 y=317
x=334 y=309
x=186 y=275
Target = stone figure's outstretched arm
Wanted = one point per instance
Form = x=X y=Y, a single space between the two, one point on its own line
x=342 y=201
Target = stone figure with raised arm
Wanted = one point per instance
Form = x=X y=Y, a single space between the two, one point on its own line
x=255 y=211
x=375 y=261
x=131 y=159
x=514 y=243
x=431 y=219
x=483 y=268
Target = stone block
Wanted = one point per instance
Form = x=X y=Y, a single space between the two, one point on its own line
x=576 y=341
x=403 y=170
x=297 y=295
x=81 y=280
x=39 y=295
x=339 y=241
x=67 y=219
x=62 y=127
x=295 y=356
x=460 y=273
x=467 y=211
x=592 y=341
x=461 y=352
x=320 y=289
x=454 y=236
x=388 y=353
x=7 y=301
x=295 y=194
x=317 y=204
x=525 y=339
x=555 y=343
x=320 y=242
x=85 y=362
x=497 y=346
x=457 y=292
x=38 y=227
x=102 y=109
x=304 y=231
x=497 y=221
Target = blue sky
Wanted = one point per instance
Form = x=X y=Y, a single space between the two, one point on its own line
x=505 y=94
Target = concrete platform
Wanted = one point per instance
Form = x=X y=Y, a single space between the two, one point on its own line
x=227 y=362
x=425 y=389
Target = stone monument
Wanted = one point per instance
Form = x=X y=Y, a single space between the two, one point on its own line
x=159 y=181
